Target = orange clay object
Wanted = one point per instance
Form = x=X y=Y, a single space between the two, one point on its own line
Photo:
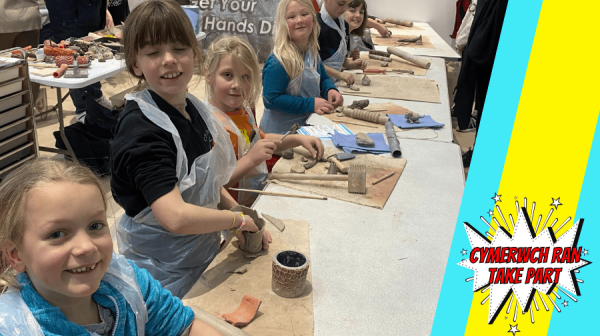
x=61 y=71
x=18 y=51
x=244 y=313
x=54 y=51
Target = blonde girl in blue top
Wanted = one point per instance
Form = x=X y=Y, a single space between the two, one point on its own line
x=59 y=274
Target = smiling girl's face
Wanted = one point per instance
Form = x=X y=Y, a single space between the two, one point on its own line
x=354 y=17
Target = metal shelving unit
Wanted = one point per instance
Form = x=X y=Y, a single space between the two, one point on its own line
x=18 y=137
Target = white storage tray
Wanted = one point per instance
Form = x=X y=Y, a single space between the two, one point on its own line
x=13 y=129
x=12 y=143
x=13 y=115
x=11 y=87
x=8 y=74
x=11 y=101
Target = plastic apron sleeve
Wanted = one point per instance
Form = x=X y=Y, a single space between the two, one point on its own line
x=254 y=178
x=307 y=84
x=177 y=260
x=16 y=317
x=337 y=60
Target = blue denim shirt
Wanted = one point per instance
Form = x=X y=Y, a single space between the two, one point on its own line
x=166 y=314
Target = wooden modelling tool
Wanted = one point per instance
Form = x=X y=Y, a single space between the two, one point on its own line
x=383 y=71
x=357 y=178
x=271 y=193
x=292 y=130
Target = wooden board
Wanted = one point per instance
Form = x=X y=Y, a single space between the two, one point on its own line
x=393 y=41
x=397 y=63
x=393 y=27
x=219 y=292
x=377 y=166
x=395 y=87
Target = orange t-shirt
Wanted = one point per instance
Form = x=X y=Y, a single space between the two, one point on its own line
x=242 y=121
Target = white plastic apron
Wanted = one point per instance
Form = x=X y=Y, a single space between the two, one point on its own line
x=337 y=60
x=308 y=84
x=17 y=319
x=254 y=178
x=178 y=260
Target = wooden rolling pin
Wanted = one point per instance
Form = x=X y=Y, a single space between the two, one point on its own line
x=421 y=62
x=399 y=22
x=290 y=176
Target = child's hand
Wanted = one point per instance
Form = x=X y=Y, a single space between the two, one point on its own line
x=378 y=20
x=347 y=77
x=322 y=106
x=313 y=145
x=335 y=98
x=266 y=240
x=383 y=31
x=357 y=64
x=262 y=151
x=355 y=54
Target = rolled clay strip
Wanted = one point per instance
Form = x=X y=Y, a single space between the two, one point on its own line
x=390 y=133
x=421 y=62
x=399 y=22
x=379 y=52
x=373 y=117
x=380 y=58
x=415 y=39
x=60 y=71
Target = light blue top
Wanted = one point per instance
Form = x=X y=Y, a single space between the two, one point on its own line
x=166 y=314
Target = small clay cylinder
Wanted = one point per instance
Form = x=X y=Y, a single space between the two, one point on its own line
x=399 y=22
x=421 y=62
x=290 y=269
x=253 y=242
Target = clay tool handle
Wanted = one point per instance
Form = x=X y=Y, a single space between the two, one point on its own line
x=340 y=166
x=384 y=177
x=374 y=71
x=353 y=123
x=271 y=193
x=294 y=128
x=289 y=176
x=421 y=62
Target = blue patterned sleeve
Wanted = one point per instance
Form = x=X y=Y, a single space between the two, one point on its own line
x=166 y=313
x=326 y=82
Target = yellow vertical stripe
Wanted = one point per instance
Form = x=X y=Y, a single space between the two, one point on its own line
x=551 y=138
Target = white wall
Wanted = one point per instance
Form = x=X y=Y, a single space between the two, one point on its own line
x=438 y=13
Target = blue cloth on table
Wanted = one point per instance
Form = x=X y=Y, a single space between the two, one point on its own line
x=400 y=121
x=349 y=145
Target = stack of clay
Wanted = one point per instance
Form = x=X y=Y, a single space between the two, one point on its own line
x=373 y=117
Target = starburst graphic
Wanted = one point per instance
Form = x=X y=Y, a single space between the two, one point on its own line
x=513 y=329
x=496 y=198
x=490 y=213
x=522 y=264
x=463 y=251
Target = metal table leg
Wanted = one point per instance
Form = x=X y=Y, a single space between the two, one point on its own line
x=59 y=108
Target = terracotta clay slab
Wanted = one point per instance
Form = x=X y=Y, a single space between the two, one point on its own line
x=377 y=167
x=397 y=63
x=396 y=87
x=218 y=291
x=244 y=313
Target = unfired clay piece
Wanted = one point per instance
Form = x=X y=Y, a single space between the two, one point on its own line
x=288 y=154
x=412 y=117
x=245 y=313
x=364 y=140
x=385 y=64
x=380 y=53
x=360 y=104
x=253 y=242
x=366 y=81
x=290 y=269
x=297 y=170
x=354 y=88
x=373 y=117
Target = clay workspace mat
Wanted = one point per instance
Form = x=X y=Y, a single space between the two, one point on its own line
x=393 y=41
x=396 y=64
x=220 y=292
x=390 y=108
x=395 y=87
x=377 y=167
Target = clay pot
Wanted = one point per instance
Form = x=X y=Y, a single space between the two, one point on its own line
x=253 y=239
x=289 y=273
